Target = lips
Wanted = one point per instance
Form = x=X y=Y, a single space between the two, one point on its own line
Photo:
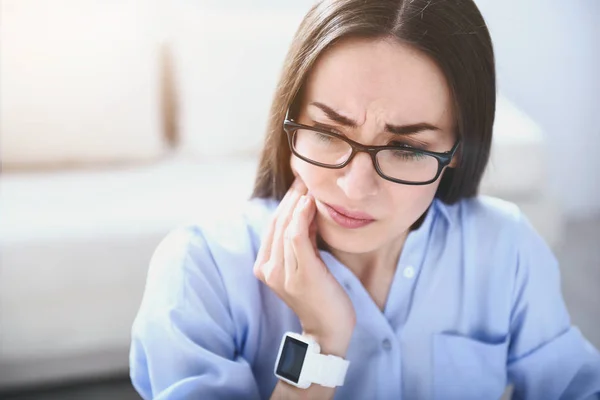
x=339 y=216
x=351 y=214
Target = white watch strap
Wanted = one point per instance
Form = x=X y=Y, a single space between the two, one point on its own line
x=326 y=370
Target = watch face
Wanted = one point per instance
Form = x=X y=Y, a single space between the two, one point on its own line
x=292 y=358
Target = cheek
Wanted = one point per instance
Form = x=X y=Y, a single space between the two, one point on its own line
x=295 y=165
x=310 y=174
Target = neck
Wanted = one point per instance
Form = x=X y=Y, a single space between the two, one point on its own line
x=374 y=263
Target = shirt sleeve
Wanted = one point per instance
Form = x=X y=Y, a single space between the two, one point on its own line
x=547 y=358
x=183 y=338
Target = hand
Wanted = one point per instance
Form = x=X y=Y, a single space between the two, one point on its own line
x=289 y=263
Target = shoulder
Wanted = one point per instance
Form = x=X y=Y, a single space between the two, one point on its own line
x=497 y=232
x=214 y=243
x=491 y=224
x=482 y=209
x=486 y=215
x=211 y=256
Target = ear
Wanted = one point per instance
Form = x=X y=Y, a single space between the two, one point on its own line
x=454 y=162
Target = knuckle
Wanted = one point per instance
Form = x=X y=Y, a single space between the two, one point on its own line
x=269 y=278
x=290 y=286
x=257 y=270
x=271 y=271
x=293 y=233
x=296 y=237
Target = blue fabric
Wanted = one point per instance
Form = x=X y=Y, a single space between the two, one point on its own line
x=475 y=304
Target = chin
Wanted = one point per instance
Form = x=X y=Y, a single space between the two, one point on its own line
x=347 y=240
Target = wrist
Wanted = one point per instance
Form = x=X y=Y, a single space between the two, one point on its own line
x=303 y=361
x=332 y=344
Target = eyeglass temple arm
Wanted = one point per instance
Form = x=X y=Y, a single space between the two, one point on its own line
x=287 y=115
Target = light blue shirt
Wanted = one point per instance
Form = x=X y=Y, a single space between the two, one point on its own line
x=475 y=304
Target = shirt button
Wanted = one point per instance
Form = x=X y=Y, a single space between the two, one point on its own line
x=409 y=272
x=347 y=286
x=386 y=344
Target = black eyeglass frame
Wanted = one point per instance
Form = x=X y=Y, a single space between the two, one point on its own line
x=290 y=127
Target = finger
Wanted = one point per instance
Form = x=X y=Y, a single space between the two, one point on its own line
x=312 y=226
x=277 y=251
x=312 y=234
x=265 y=246
x=290 y=262
x=272 y=259
x=302 y=244
x=284 y=212
x=273 y=275
x=293 y=234
x=297 y=186
x=264 y=252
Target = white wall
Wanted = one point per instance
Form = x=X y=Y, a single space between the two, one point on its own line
x=548 y=59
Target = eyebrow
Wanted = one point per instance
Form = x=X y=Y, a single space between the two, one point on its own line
x=396 y=129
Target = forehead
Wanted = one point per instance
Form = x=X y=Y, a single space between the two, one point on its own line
x=358 y=75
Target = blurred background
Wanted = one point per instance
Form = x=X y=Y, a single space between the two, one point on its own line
x=120 y=120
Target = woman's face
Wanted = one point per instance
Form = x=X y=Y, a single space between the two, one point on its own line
x=358 y=88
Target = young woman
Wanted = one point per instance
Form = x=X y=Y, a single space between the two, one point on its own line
x=365 y=238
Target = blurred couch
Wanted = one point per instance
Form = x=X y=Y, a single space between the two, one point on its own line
x=120 y=121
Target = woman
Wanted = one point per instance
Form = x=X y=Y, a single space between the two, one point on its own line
x=366 y=237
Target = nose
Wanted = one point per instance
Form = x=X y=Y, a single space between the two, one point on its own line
x=359 y=180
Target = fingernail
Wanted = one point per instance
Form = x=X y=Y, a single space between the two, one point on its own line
x=304 y=200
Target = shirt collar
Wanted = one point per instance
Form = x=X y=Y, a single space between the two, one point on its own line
x=442 y=209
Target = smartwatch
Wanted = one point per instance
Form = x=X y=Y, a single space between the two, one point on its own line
x=300 y=363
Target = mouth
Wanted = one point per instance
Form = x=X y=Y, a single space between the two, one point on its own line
x=348 y=219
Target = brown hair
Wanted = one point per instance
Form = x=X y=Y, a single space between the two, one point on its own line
x=452 y=33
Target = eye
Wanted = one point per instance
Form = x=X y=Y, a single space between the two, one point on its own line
x=327 y=128
x=323 y=138
x=408 y=155
x=403 y=145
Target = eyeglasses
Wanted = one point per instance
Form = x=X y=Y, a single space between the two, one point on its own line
x=400 y=164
